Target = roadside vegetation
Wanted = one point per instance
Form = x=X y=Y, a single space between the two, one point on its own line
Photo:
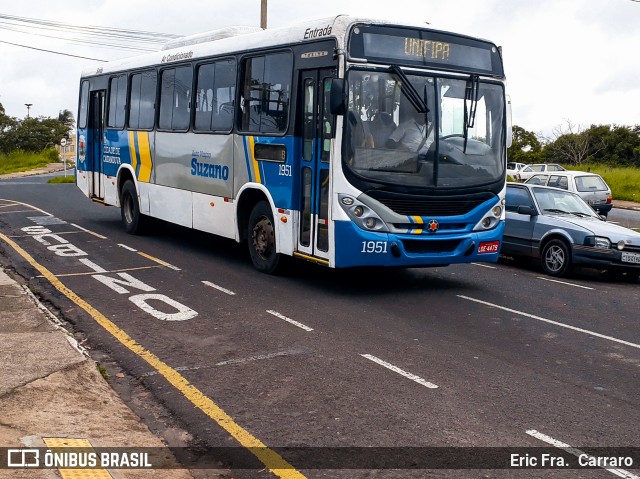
x=19 y=160
x=612 y=151
x=70 y=178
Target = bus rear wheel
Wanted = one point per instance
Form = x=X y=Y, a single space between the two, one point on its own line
x=261 y=237
x=134 y=222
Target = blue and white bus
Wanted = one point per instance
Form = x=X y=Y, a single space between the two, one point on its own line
x=343 y=141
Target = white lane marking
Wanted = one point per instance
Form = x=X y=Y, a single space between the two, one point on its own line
x=92 y=265
x=532 y=316
x=289 y=320
x=127 y=247
x=89 y=231
x=396 y=369
x=577 y=452
x=484 y=265
x=219 y=288
x=563 y=282
x=261 y=357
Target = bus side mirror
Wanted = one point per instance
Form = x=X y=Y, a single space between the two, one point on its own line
x=337 y=103
x=509 y=125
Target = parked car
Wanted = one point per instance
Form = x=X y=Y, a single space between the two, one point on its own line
x=513 y=168
x=560 y=229
x=591 y=187
x=528 y=171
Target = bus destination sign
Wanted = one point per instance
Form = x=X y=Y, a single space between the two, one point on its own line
x=424 y=48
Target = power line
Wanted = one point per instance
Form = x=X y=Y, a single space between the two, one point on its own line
x=51 y=51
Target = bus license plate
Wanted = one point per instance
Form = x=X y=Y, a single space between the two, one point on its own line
x=631 y=258
x=489 y=247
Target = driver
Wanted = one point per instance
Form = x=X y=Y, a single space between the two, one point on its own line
x=412 y=134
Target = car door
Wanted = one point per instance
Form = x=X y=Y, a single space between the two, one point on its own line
x=519 y=226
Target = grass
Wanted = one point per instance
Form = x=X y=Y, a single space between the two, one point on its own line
x=624 y=182
x=63 y=179
x=24 y=161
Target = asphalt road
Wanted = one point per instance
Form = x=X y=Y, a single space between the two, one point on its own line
x=469 y=356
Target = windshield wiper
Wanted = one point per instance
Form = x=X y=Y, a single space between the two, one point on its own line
x=471 y=95
x=409 y=90
x=580 y=214
x=555 y=210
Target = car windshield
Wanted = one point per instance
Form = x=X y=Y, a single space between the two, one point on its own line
x=562 y=202
x=457 y=142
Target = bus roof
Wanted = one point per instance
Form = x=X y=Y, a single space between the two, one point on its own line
x=238 y=39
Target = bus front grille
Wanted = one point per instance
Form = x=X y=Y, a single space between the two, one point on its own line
x=430 y=246
x=410 y=205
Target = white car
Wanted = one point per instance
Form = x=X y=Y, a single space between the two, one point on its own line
x=591 y=187
x=528 y=171
x=513 y=168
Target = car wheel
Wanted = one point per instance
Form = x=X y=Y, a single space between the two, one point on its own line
x=556 y=258
x=261 y=236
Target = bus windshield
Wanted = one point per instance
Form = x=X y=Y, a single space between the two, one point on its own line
x=391 y=139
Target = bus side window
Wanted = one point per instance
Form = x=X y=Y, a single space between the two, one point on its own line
x=175 y=98
x=117 y=101
x=216 y=88
x=142 y=100
x=266 y=93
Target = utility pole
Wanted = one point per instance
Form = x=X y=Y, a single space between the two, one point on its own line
x=28 y=105
x=263 y=14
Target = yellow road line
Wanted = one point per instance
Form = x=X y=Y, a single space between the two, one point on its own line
x=271 y=459
x=159 y=261
x=63 y=442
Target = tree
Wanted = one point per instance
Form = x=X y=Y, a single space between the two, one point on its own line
x=66 y=118
x=525 y=147
x=33 y=134
x=572 y=145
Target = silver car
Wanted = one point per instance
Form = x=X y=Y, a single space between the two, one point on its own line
x=561 y=230
x=591 y=187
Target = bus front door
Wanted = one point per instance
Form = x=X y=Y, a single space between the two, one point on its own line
x=317 y=129
x=95 y=147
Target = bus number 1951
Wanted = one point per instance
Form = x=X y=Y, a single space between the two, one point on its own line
x=377 y=247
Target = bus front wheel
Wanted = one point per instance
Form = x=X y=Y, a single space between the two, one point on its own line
x=261 y=237
x=134 y=221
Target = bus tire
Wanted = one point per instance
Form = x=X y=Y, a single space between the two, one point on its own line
x=134 y=221
x=261 y=238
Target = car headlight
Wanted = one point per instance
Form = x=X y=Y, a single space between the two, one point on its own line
x=597 y=242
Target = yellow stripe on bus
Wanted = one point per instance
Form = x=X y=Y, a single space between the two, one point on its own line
x=145 y=156
x=132 y=150
x=256 y=166
x=418 y=220
x=271 y=459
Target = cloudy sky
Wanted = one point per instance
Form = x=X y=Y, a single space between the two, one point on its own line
x=566 y=60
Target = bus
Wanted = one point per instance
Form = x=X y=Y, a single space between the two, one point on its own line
x=343 y=141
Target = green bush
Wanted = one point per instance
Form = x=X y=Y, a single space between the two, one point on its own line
x=24 y=161
x=623 y=181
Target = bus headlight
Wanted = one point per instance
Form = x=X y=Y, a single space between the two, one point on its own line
x=361 y=214
x=491 y=219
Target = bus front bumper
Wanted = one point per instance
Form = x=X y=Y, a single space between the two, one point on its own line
x=356 y=247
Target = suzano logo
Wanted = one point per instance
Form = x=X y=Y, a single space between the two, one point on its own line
x=208 y=170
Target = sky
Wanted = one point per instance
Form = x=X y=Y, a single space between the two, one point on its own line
x=569 y=63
